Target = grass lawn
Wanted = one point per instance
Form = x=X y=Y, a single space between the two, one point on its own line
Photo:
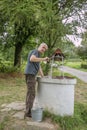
x=76 y=65
x=13 y=88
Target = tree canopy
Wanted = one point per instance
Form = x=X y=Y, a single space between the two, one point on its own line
x=22 y=19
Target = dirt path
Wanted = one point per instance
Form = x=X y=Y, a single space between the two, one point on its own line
x=79 y=74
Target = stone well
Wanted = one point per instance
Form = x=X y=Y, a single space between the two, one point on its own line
x=57 y=95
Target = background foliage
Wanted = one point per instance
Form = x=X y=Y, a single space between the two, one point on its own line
x=24 y=24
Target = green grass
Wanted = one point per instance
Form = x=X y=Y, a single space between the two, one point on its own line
x=57 y=72
x=76 y=65
x=3 y=123
x=12 y=89
x=76 y=122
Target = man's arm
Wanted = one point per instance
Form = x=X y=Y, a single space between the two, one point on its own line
x=41 y=72
x=33 y=58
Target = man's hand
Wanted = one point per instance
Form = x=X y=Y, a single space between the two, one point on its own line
x=46 y=59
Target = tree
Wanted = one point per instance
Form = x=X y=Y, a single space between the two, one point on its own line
x=53 y=29
x=22 y=32
x=82 y=50
x=44 y=18
x=52 y=14
x=22 y=20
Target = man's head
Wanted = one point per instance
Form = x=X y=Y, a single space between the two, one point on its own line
x=42 y=48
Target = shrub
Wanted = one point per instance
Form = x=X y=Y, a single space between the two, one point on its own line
x=84 y=66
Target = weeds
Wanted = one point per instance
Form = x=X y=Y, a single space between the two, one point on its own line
x=78 y=120
x=3 y=123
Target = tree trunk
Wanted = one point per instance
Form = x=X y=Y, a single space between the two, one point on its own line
x=17 y=56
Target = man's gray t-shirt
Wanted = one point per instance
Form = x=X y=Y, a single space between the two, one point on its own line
x=32 y=67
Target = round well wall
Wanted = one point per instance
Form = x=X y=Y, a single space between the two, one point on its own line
x=56 y=95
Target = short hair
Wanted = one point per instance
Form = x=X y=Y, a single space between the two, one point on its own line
x=44 y=44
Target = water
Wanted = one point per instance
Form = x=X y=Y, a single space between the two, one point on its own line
x=52 y=65
x=61 y=68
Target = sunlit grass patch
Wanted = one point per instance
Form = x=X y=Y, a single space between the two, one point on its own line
x=76 y=65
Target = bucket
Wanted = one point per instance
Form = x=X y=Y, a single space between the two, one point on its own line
x=37 y=114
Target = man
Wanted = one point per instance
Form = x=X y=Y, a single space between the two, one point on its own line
x=32 y=68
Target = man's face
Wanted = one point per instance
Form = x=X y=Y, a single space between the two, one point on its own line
x=43 y=48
